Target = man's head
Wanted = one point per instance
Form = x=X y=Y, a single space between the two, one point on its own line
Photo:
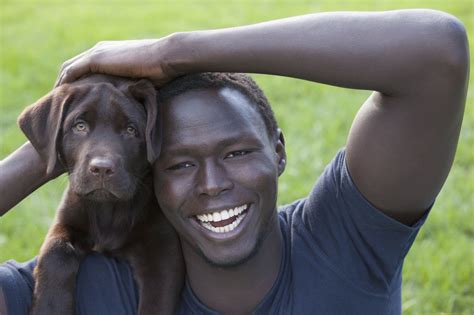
x=221 y=155
x=237 y=81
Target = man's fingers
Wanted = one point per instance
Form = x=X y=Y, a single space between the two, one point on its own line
x=122 y=58
x=74 y=71
x=58 y=79
x=61 y=73
x=66 y=64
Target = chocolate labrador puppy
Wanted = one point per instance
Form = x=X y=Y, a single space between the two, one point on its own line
x=102 y=129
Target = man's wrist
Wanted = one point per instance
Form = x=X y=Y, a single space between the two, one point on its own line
x=176 y=57
x=188 y=52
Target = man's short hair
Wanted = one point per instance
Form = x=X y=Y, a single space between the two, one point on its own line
x=239 y=81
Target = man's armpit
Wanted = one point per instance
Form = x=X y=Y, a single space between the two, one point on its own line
x=3 y=303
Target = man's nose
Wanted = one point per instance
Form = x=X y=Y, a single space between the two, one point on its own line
x=213 y=180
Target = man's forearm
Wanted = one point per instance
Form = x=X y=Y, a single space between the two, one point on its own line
x=22 y=172
x=382 y=51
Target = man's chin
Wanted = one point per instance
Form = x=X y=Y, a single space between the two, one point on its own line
x=233 y=261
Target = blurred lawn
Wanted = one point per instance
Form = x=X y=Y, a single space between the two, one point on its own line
x=37 y=36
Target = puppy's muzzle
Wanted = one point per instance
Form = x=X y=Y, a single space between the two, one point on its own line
x=102 y=167
x=103 y=178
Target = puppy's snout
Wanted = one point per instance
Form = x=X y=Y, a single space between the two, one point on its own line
x=102 y=167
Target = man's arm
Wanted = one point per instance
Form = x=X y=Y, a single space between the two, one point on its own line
x=22 y=172
x=3 y=304
x=403 y=140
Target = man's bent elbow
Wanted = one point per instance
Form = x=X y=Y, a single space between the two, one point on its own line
x=450 y=46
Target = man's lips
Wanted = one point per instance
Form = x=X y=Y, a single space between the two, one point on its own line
x=223 y=221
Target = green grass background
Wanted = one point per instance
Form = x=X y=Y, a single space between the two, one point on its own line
x=37 y=36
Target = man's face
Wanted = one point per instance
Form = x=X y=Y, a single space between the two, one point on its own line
x=216 y=177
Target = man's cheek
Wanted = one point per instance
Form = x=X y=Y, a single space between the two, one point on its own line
x=259 y=176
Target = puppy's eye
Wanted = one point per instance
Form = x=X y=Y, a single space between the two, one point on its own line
x=131 y=130
x=80 y=126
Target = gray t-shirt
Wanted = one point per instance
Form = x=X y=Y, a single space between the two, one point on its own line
x=341 y=256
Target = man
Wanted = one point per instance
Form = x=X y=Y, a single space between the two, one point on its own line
x=341 y=249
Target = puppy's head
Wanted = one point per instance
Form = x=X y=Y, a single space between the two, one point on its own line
x=102 y=129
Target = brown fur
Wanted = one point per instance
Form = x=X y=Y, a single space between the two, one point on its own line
x=109 y=205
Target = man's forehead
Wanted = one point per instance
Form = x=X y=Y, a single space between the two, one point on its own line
x=234 y=96
x=211 y=116
x=211 y=105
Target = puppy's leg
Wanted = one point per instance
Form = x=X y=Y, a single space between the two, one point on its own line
x=55 y=274
x=158 y=268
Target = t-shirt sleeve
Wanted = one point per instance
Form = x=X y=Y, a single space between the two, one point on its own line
x=360 y=241
x=104 y=285
x=16 y=283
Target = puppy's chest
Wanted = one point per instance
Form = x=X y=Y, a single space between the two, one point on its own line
x=109 y=229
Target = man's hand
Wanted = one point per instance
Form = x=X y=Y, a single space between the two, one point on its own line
x=131 y=58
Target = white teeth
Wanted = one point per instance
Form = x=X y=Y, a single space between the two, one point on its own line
x=224 y=229
x=223 y=215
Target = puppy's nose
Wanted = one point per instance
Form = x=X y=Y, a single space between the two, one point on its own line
x=101 y=167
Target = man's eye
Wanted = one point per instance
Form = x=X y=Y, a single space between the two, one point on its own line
x=131 y=130
x=180 y=166
x=237 y=153
x=80 y=126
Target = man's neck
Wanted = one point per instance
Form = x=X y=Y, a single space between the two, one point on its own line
x=236 y=290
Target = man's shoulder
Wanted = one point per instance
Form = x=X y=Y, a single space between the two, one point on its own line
x=335 y=224
x=13 y=269
x=16 y=283
x=325 y=186
x=99 y=276
x=110 y=279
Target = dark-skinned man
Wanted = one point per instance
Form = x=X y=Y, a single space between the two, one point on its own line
x=340 y=250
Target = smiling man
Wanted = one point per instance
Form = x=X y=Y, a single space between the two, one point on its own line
x=217 y=183
x=341 y=249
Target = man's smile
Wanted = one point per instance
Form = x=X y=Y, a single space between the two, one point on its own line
x=223 y=221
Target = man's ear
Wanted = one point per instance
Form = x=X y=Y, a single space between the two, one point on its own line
x=280 y=151
x=41 y=123
x=144 y=92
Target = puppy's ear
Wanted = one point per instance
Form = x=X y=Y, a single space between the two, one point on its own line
x=144 y=92
x=41 y=123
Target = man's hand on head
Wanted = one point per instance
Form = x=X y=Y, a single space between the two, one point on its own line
x=145 y=58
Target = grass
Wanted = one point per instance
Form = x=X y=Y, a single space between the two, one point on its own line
x=37 y=36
